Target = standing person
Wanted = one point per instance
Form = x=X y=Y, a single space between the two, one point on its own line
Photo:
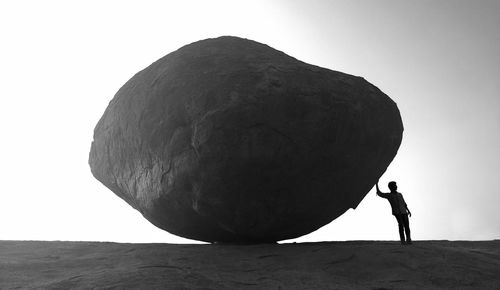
x=399 y=209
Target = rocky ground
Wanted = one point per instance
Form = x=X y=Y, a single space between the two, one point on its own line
x=324 y=265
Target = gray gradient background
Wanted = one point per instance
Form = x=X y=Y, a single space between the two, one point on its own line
x=62 y=62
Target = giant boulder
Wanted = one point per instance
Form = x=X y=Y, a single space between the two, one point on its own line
x=230 y=140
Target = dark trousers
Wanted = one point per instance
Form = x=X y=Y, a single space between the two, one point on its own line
x=404 y=227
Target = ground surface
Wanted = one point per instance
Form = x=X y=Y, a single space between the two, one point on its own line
x=326 y=265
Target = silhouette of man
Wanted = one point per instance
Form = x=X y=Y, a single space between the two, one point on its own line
x=399 y=209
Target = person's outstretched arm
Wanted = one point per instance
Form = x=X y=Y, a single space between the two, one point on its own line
x=380 y=193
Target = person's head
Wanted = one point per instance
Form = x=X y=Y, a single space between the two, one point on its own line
x=393 y=186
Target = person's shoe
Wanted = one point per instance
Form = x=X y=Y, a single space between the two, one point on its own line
x=409 y=242
x=403 y=243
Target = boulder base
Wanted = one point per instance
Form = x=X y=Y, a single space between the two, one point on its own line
x=230 y=140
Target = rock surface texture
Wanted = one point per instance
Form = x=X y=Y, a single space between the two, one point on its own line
x=230 y=140
x=333 y=265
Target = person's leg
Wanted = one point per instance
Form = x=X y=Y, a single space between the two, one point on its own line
x=406 y=224
x=399 y=218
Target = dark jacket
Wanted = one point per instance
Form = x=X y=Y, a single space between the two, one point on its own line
x=397 y=202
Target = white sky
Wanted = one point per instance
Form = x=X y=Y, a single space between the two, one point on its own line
x=61 y=62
